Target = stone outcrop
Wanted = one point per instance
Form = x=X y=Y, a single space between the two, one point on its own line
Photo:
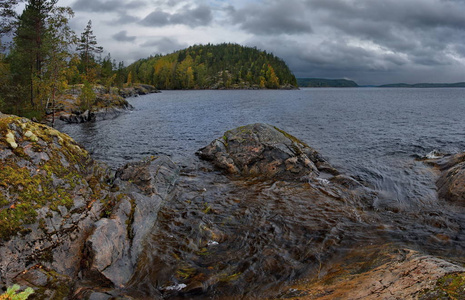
x=117 y=241
x=108 y=104
x=451 y=183
x=262 y=150
x=138 y=90
x=394 y=274
x=67 y=224
x=51 y=194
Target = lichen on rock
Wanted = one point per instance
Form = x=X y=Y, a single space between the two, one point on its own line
x=262 y=150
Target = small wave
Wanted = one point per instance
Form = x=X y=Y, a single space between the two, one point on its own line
x=434 y=154
x=323 y=181
x=177 y=287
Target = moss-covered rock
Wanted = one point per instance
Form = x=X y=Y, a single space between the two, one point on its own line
x=262 y=150
x=51 y=194
x=66 y=223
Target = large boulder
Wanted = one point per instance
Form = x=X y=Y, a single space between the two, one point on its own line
x=262 y=150
x=67 y=224
x=451 y=183
x=51 y=194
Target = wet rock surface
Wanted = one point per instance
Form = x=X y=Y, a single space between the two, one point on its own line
x=262 y=150
x=117 y=242
x=451 y=183
x=67 y=225
x=261 y=211
x=385 y=273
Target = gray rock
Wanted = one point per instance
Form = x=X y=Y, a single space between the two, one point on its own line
x=261 y=150
x=117 y=242
x=451 y=183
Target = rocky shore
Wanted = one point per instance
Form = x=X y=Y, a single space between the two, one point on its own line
x=72 y=228
x=108 y=103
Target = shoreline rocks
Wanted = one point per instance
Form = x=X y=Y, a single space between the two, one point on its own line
x=67 y=224
x=451 y=183
x=71 y=228
x=262 y=150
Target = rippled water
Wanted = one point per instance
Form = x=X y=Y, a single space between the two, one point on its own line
x=244 y=237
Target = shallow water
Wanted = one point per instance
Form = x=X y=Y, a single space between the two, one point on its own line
x=224 y=238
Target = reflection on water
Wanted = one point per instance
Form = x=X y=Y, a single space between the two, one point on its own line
x=221 y=237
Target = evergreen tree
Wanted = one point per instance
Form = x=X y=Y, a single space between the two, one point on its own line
x=7 y=15
x=31 y=47
x=87 y=47
x=61 y=37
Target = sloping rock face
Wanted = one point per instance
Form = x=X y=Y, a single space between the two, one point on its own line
x=117 y=242
x=262 y=150
x=51 y=193
x=67 y=224
x=394 y=274
x=451 y=183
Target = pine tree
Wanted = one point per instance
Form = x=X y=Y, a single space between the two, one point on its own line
x=7 y=15
x=61 y=37
x=87 y=46
x=30 y=46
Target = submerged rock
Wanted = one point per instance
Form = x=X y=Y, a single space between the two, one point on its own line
x=451 y=183
x=262 y=150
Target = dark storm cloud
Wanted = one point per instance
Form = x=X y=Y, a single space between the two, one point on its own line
x=370 y=41
x=408 y=27
x=198 y=16
x=272 y=17
x=164 y=45
x=122 y=36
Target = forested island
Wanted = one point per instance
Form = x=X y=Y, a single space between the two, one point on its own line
x=48 y=69
x=223 y=66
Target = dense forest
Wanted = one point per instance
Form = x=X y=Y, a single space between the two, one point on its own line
x=45 y=58
x=320 y=82
x=213 y=66
x=45 y=62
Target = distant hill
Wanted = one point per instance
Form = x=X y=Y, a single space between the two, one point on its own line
x=320 y=82
x=213 y=67
x=424 y=85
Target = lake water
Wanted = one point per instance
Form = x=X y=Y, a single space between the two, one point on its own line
x=375 y=135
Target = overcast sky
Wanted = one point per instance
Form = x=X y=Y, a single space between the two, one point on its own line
x=369 y=41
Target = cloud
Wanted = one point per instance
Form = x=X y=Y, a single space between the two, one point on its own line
x=122 y=36
x=368 y=41
x=272 y=17
x=164 y=45
x=124 y=18
x=198 y=16
x=107 y=6
x=156 y=19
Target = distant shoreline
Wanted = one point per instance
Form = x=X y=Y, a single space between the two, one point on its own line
x=344 y=83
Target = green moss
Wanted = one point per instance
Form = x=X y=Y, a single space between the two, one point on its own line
x=130 y=220
x=451 y=286
x=291 y=137
x=3 y=200
x=50 y=182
